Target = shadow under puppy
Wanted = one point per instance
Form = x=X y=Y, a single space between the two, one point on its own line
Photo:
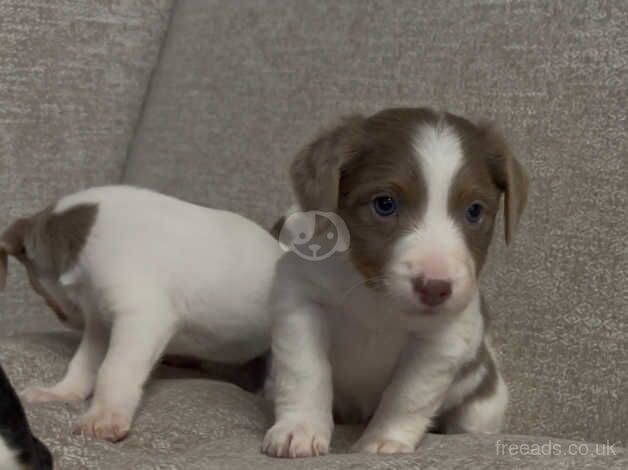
x=142 y=274
x=391 y=331
x=19 y=449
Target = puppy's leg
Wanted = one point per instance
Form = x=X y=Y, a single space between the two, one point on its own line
x=302 y=388
x=410 y=402
x=143 y=325
x=78 y=382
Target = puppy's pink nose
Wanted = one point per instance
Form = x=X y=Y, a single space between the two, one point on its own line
x=432 y=292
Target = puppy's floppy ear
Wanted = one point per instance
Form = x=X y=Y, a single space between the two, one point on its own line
x=11 y=243
x=315 y=171
x=511 y=178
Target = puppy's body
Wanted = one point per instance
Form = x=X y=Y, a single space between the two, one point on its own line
x=142 y=274
x=393 y=331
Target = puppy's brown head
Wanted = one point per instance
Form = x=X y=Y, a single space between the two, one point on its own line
x=419 y=191
x=47 y=244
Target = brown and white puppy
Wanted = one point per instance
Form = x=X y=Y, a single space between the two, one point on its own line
x=391 y=331
x=142 y=275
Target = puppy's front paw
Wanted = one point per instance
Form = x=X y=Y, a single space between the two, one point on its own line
x=296 y=439
x=382 y=445
x=47 y=394
x=103 y=423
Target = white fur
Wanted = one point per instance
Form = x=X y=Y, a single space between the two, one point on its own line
x=8 y=457
x=157 y=275
x=436 y=249
x=335 y=340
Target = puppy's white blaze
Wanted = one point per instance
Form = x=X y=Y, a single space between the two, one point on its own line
x=8 y=460
x=440 y=156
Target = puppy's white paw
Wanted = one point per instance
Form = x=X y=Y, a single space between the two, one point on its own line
x=296 y=439
x=103 y=423
x=382 y=445
x=48 y=394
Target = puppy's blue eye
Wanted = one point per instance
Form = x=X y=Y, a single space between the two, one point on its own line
x=474 y=213
x=385 y=206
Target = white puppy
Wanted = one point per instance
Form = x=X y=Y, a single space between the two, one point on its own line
x=143 y=274
x=390 y=329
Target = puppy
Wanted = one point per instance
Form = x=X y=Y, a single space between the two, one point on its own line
x=19 y=449
x=141 y=274
x=391 y=331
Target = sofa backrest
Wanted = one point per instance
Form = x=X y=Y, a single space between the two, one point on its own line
x=73 y=76
x=241 y=85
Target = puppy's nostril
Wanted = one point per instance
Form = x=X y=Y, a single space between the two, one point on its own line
x=432 y=292
x=314 y=247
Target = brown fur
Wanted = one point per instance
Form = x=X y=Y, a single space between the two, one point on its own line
x=47 y=244
x=345 y=167
x=511 y=178
x=315 y=171
x=382 y=163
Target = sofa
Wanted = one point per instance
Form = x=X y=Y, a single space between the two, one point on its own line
x=209 y=100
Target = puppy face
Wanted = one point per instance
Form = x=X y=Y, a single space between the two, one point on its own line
x=419 y=192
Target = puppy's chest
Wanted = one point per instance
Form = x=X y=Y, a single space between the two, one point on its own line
x=363 y=362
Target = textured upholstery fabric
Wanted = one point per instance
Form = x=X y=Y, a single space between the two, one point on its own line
x=194 y=423
x=243 y=84
x=73 y=76
x=240 y=86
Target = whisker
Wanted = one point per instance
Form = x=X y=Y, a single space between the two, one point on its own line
x=362 y=282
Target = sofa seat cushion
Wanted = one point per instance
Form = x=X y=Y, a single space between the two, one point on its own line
x=189 y=421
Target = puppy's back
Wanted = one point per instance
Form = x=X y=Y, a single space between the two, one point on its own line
x=139 y=228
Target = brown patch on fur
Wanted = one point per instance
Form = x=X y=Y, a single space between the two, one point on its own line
x=483 y=358
x=275 y=231
x=384 y=163
x=485 y=389
x=315 y=172
x=11 y=243
x=48 y=244
x=60 y=237
x=39 y=289
x=474 y=182
x=482 y=355
x=347 y=166
x=359 y=159
x=506 y=172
